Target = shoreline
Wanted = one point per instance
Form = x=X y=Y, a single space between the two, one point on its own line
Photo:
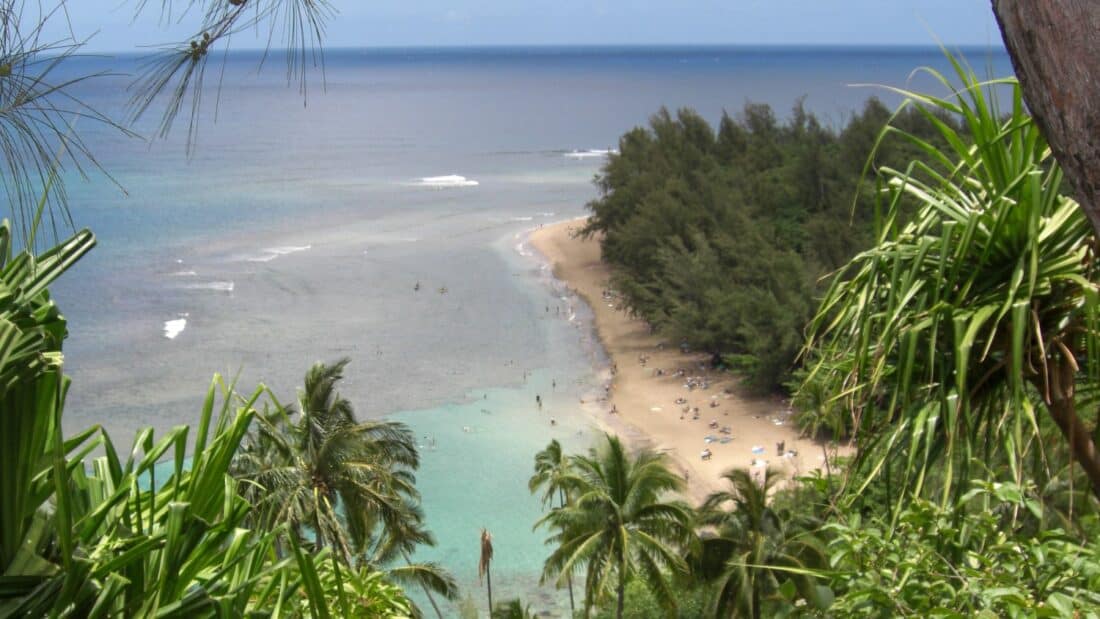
x=649 y=402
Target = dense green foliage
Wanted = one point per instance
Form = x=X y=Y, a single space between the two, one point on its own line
x=337 y=482
x=957 y=340
x=617 y=525
x=980 y=557
x=757 y=553
x=718 y=238
x=958 y=352
x=117 y=535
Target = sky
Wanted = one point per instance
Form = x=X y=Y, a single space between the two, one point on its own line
x=110 y=25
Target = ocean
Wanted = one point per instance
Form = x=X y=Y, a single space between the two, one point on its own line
x=299 y=231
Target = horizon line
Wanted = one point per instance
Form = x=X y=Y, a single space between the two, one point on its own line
x=999 y=47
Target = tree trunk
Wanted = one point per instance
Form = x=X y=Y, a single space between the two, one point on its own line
x=1064 y=412
x=569 y=576
x=1055 y=50
x=489 y=588
x=427 y=591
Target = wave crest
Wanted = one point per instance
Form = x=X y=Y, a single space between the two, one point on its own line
x=226 y=286
x=268 y=254
x=173 y=328
x=449 y=180
x=591 y=153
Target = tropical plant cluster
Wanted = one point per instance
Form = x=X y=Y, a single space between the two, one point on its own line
x=759 y=548
x=259 y=509
x=957 y=351
x=718 y=238
x=164 y=527
x=956 y=354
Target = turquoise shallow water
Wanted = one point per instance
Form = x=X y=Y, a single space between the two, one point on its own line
x=297 y=234
x=473 y=477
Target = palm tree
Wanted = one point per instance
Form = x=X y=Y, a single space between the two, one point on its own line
x=617 y=526
x=551 y=469
x=974 y=312
x=397 y=542
x=326 y=471
x=483 y=564
x=755 y=548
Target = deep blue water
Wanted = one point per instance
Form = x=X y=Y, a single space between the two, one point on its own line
x=296 y=233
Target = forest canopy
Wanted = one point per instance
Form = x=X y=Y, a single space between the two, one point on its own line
x=719 y=239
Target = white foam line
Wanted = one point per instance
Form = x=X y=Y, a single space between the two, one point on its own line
x=287 y=249
x=448 y=180
x=591 y=153
x=218 y=286
x=270 y=253
x=173 y=328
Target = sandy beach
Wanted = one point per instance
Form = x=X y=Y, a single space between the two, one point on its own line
x=668 y=399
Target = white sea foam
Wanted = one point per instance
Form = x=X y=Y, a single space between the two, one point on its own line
x=547 y=214
x=172 y=328
x=449 y=180
x=185 y=274
x=270 y=253
x=523 y=218
x=226 y=286
x=591 y=153
x=288 y=249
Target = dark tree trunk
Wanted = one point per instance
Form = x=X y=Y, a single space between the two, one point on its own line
x=427 y=591
x=489 y=588
x=1063 y=410
x=1055 y=49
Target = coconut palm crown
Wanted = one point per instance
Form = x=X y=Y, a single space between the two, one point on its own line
x=619 y=524
x=755 y=549
x=326 y=471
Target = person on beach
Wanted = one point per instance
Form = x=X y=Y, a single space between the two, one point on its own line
x=538 y=401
